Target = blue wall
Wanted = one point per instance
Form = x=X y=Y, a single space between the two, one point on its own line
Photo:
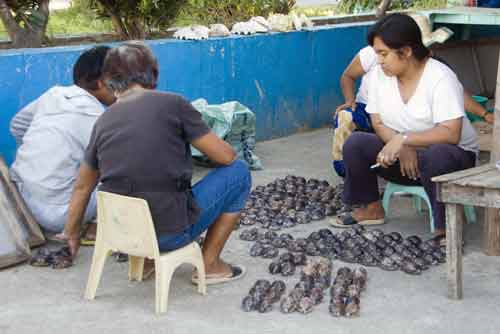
x=290 y=80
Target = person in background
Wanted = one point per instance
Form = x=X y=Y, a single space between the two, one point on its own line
x=52 y=133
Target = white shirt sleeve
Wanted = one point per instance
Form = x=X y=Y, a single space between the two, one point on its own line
x=371 y=106
x=368 y=58
x=447 y=100
x=21 y=122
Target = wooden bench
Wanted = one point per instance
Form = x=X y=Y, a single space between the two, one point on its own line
x=478 y=186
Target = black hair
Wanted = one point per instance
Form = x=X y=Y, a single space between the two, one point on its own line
x=88 y=68
x=128 y=64
x=398 y=31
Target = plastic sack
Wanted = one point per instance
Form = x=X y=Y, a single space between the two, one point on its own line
x=234 y=123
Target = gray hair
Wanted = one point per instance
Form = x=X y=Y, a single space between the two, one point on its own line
x=129 y=64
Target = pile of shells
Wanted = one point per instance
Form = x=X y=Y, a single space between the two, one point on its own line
x=371 y=248
x=345 y=293
x=286 y=263
x=291 y=201
x=315 y=278
x=263 y=295
x=388 y=251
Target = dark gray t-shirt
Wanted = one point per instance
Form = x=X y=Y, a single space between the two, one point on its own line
x=141 y=148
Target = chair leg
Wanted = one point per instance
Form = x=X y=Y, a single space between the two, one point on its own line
x=164 y=272
x=417 y=202
x=431 y=216
x=389 y=190
x=98 y=260
x=135 y=268
x=158 y=279
x=200 y=269
x=470 y=214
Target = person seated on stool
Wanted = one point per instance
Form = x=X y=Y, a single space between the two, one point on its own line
x=416 y=106
x=141 y=147
x=352 y=116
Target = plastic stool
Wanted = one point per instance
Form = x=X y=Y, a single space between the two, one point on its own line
x=419 y=195
x=125 y=225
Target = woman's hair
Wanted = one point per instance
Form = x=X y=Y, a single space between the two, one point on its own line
x=398 y=31
x=129 y=64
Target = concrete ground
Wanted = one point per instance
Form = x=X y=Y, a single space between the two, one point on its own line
x=38 y=300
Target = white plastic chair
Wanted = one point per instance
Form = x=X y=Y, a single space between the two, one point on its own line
x=124 y=224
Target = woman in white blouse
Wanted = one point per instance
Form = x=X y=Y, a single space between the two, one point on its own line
x=416 y=106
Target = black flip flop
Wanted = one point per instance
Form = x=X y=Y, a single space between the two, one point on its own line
x=347 y=220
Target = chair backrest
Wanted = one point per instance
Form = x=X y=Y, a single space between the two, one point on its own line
x=125 y=224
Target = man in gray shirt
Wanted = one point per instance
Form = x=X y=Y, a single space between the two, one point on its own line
x=52 y=133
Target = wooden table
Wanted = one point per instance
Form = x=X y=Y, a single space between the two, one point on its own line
x=478 y=186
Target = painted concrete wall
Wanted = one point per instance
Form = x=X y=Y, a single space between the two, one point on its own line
x=290 y=80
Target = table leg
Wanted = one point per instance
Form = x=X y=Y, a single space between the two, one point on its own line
x=454 y=227
x=491 y=232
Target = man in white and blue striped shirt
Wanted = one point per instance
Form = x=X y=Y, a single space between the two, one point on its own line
x=52 y=134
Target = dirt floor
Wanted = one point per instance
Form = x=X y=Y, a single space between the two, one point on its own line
x=38 y=300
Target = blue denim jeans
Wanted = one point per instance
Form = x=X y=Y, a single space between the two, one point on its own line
x=223 y=190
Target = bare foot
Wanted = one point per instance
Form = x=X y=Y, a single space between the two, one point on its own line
x=371 y=211
x=91 y=232
x=219 y=268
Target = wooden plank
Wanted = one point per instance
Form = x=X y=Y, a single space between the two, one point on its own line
x=495 y=150
x=491 y=233
x=10 y=260
x=454 y=226
x=463 y=173
x=491 y=239
x=14 y=247
x=489 y=180
x=23 y=214
x=451 y=193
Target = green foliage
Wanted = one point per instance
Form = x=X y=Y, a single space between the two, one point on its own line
x=27 y=14
x=76 y=20
x=427 y=4
x=137 y=18
x=230 y=11
x=359 y=6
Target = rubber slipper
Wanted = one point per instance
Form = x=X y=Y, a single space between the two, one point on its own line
x=61 y=258
x=42 y=258
x=347 y=220
x=120 y=257
x=237 y=272
x=440 y=240
x=84 y=240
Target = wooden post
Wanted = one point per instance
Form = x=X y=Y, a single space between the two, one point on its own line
x=491 y=234
x=454 y=226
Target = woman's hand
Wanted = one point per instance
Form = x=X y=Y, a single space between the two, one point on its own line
x=391 y=151
x=73 y=241
x=409 y=163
